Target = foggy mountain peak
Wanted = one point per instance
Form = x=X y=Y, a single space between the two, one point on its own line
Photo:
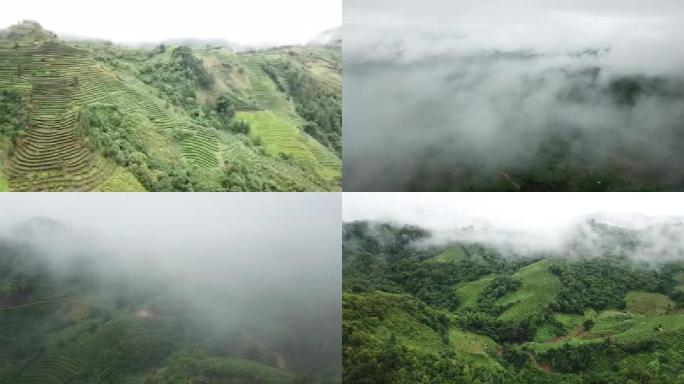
x=39 y=226
x=28 y=30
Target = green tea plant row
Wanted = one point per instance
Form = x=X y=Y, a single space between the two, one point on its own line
x=236 y=152
x=201 y=147
x=52 y=156
x=323 y=155
x=264 y=91
x=61 y=365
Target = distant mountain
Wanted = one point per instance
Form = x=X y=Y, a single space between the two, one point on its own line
x=39 y=225
x=27 y=32
x=639 y=238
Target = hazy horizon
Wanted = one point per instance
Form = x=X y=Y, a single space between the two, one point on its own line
x=444 y=210
x=260 y=22
x=532 y=221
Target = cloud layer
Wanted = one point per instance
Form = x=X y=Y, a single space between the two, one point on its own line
x=567 y=225
x=455 y=94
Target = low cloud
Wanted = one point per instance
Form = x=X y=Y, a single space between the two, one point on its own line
x=464 y=93
x=577 y=225
x=267 y=264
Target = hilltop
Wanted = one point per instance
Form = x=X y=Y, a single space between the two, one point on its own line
x=467 y=312
x=92 y=116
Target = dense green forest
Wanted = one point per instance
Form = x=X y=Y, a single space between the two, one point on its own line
x=74 y=320
x=90 y=115
x=469 y=312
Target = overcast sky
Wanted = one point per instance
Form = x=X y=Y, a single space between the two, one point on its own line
x=510 y=211
x=418 y=28
x=192 y=216
x=130 y=21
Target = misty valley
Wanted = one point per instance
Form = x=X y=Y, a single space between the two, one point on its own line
x=520 y=120
x=481 y=306
x=524 y=95
x=102 y=312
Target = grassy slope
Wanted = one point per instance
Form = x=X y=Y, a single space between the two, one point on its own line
x=452 y=254
x=475 y=348
x=121 y=181
x=539 y=287
x=648 y=303
x=469 y=292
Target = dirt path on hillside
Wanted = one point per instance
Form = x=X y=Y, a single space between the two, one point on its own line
x=576 y=332
x=280 y=360
x=36 y=302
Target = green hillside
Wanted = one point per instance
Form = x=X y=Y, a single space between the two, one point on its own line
x=466 y=313
x=537 y=290
x=469 y=292
x=93 y=116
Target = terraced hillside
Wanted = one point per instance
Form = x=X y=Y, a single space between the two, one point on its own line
x=271 y=112
x=166 y=141
x=450 y=313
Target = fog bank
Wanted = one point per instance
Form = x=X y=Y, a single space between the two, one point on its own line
x=462 y=95
x=566 y=224
x=263 y=263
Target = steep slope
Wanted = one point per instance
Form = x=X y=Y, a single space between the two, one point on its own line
x=169 y=143
x=264 y=102
x=50 y=155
